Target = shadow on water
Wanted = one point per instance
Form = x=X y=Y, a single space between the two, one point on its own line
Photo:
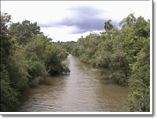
x=81 y=90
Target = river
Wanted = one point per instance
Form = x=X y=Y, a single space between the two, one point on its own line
x=81 y=91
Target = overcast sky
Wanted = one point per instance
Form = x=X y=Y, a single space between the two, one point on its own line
x=69 y=20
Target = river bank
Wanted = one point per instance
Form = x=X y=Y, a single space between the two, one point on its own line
x=82 y=90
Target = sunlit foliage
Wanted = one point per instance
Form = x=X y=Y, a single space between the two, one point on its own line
x=125 y=53
x=27 y=58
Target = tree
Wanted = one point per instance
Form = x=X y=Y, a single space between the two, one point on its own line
x=142 y=27
x=18 y=69
x=108 y=25
x=27 y=56
x=53 y=60
x=128 y=21
x=8 y=95
x=5 y=42
x=23 y=32
x=139 y=82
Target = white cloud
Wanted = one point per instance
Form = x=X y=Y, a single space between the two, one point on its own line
x=62 y=33
x=45 y=12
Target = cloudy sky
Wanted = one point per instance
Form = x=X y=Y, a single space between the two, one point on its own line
x=69 y=20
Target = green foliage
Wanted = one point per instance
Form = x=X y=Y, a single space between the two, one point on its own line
x=105 y=51
x=35 y=48
x=129 y=21
x=5 y=43
x=8 y=94
x=18 y=69
x=137 y=48
x=27 y=58
x=23 y=32
x=36 y=69
x=53 y=61
x=139 y=96
x=125 y=53
x=67 y=46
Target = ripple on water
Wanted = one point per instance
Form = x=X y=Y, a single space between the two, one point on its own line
x=82 y=90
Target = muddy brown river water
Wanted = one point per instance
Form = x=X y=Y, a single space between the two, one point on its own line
x=82 y=90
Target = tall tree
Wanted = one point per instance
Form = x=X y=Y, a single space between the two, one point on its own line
x=8 y=96
x=108 y=25
x=23 y=32
x=5 y=42
x=128 y=21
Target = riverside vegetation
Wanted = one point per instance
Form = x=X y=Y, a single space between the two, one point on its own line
x=28 y=57
x=125 y=52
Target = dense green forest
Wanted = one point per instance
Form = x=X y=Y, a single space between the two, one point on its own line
x=125 y=53
x=28 y=57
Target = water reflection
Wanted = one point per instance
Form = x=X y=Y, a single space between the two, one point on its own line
x=82 y=90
